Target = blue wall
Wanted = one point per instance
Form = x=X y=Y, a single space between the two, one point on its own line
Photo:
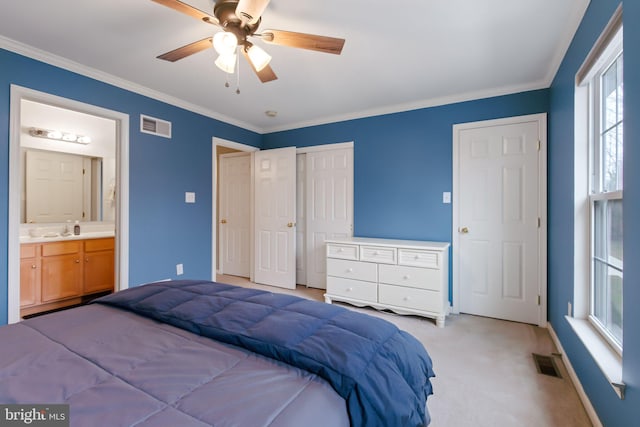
x=403 y=162
x=164 y=231
x=611 y=410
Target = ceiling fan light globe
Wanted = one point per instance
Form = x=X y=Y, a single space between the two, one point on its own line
x=227 y=63
x=259 y=58
x=225 y=42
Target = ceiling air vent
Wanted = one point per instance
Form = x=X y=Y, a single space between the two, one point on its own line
x=155 y=126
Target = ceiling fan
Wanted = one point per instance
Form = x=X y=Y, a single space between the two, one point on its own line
x=239 y=20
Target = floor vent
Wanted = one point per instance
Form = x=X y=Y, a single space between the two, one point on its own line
x=155 y=126
x=546 y=365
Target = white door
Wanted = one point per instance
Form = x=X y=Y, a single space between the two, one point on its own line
x=235 y=219
x=301 y=226
x=498 y=208
x=54 y=186
x=275 y=216
x=329 y=206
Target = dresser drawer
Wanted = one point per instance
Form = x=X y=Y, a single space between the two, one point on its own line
x=419 y=258
x=352 y=269
x=424 y=278
x=417 y=299
x=378 y=254
x=355 y=289
x=342 y=251
x=28 y=250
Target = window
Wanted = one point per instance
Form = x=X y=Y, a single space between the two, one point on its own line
x=605 y=169
x=595 y=313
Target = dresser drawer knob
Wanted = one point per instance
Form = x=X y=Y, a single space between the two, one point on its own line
x=375 y=253
x=349 y=289
x=406 y=277
x=406 y=299
x=349 y=270
x=416 y=257
x=340 y=250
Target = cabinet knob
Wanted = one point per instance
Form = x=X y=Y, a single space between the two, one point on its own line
x=33 y=266
x=77 y=261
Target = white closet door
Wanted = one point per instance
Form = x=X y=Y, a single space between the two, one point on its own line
x=275 y=216
x=498 y=213
x=235 y=218
x=329 y=206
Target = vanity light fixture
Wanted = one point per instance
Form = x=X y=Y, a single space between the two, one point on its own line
x=59 y=135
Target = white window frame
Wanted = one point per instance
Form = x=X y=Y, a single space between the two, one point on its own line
x=596 y=191
x=579 y=309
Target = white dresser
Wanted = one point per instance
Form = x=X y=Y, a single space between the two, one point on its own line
x=405 y=276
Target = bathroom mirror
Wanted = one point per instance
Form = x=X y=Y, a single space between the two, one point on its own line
x=66 y=178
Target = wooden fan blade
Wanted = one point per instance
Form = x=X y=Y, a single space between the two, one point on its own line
x=304 y=41
x=265 y=75
x=187 y=50
x=189 y=10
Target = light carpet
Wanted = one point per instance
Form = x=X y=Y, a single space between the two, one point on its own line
x=485 y=373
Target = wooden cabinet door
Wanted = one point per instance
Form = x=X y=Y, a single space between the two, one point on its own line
x=29 y=281
x=61 y=277
x=98 y=271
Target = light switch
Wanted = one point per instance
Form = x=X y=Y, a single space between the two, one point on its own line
x=189 y=197
x=179 y=269
x=446 y=197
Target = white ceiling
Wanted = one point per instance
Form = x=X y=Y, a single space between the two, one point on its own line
x=399 y=55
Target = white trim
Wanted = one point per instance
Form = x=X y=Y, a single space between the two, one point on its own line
x=606 y=357
x=58 y=61
x=66 y=64
x=122 y=210
x=588 y=407
x=215 y=142
x=541 y=119
x=418 y=105
x=324 y=147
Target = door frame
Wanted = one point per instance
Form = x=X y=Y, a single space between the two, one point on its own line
x=215 y=142
x=221 y=182
x=541 y=119
x=19 y=93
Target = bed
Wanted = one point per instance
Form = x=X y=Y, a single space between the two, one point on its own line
x=198 y=353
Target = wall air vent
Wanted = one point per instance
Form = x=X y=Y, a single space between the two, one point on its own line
x=155 y=126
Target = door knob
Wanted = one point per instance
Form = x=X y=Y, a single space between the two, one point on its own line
x=223 y=221
x=463 y=230
x=291 y=224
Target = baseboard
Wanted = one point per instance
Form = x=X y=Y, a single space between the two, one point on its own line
x=591 y=412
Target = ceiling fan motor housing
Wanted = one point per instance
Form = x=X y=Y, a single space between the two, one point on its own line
x=225 y=11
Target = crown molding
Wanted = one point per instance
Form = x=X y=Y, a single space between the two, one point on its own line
x=67 y=64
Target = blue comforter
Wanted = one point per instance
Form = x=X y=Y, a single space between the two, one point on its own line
x=382 y=372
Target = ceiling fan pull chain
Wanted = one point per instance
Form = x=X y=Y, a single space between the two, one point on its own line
x=238 y=77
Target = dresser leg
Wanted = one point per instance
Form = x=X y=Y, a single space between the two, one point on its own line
x=327 y=299
x=440 y=321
